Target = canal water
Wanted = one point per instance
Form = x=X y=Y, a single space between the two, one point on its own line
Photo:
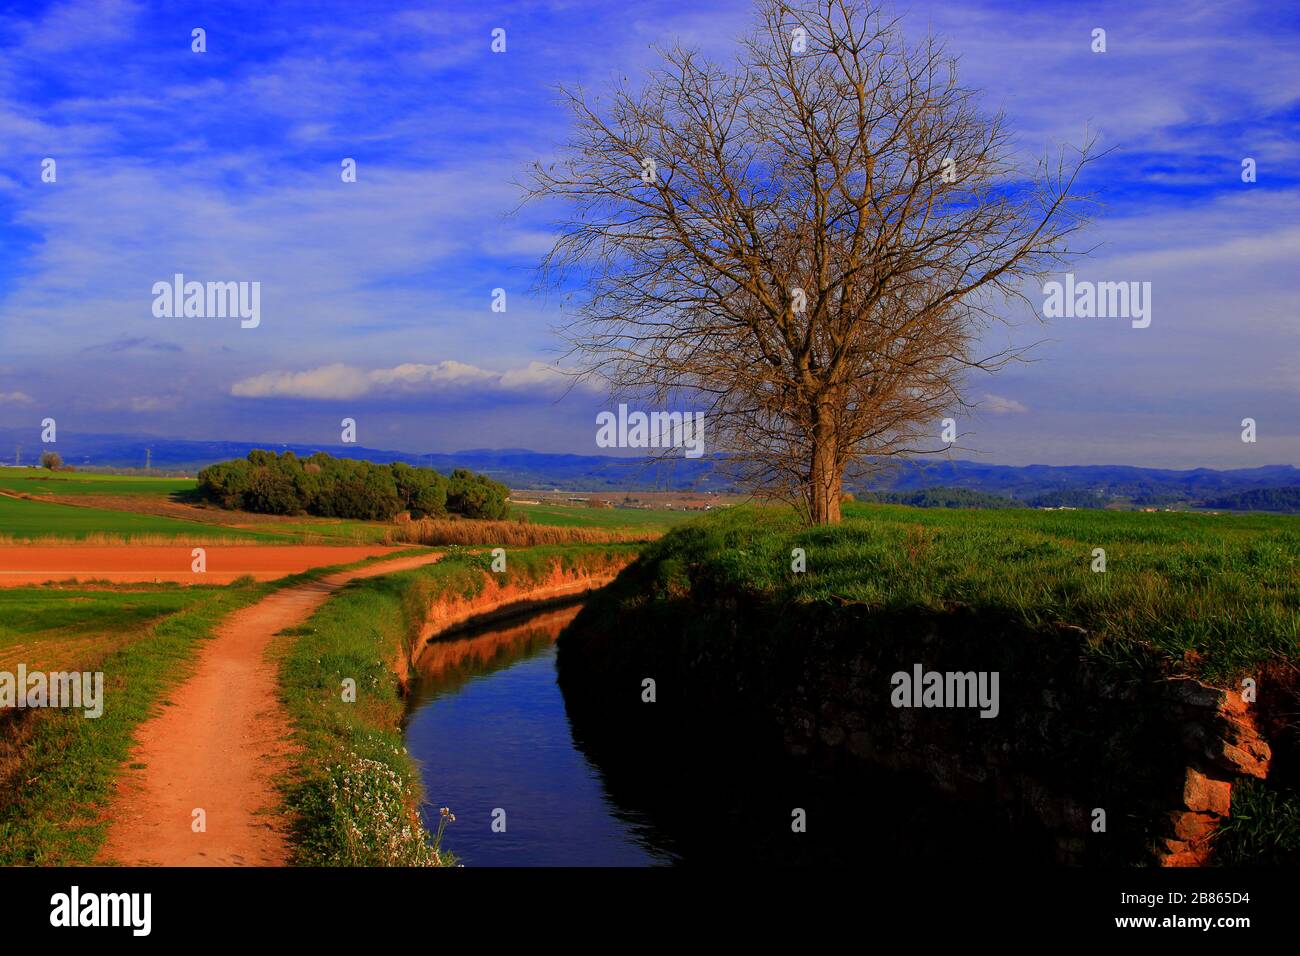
x=488 y=727
x=486 y=721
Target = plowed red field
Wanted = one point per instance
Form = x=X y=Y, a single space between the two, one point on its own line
x=37 y=564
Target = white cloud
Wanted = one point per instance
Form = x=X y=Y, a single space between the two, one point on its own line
x=536 y=374
x=329 y=381
x=998 y=405
x=347 y=381
x=412 y=376
x=15 y=398
x=67 y=26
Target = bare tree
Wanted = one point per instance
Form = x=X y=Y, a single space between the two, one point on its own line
x=810 y=242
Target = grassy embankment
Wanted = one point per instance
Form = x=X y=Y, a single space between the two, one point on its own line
x=355 y=792
x=1213 y=597
x=57 y=767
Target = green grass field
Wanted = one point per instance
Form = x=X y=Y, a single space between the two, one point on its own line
x=25 y=519
x=1221 y=593
x=39 y=481
x=30 y=519
x=22 y=518
x=30 y=615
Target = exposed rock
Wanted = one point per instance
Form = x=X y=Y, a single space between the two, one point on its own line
x=1250 y=759
x=1193 y=827
x=1177 y=853
x=1201 y=793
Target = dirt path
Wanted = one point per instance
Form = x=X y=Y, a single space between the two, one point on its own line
x=219 y=746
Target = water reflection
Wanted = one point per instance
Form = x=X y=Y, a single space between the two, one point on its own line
x=488 y=726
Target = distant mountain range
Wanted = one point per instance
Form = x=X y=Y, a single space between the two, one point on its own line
x=1073 y=485
x=1083 y=485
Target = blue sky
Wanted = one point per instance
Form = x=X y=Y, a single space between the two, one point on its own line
x=376 y=294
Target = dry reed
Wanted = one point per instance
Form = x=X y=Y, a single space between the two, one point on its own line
x=517 y=534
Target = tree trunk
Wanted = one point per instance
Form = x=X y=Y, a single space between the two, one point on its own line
x=824 y=500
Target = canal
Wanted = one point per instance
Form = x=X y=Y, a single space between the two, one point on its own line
x=487 y=723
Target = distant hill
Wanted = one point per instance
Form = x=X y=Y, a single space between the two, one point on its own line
x=1030 y=485
x=938 y=498
x=1109 y=481
x=1286 y=500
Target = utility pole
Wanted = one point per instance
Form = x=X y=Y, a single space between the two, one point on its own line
x=148 y=456
x=18 y=455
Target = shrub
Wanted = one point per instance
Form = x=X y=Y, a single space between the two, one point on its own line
x=423 y=491
x=476 y=496
x=342 y=488
x=271 y=491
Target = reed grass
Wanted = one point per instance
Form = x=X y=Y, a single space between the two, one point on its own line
x=515 y=534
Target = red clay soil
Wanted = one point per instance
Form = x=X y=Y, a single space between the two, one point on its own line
x=38 y=564
x=221 y=743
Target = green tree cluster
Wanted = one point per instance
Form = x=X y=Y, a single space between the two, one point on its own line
x=330 y=487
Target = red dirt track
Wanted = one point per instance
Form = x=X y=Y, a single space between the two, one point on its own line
x=125 y=564
x=218 y=742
